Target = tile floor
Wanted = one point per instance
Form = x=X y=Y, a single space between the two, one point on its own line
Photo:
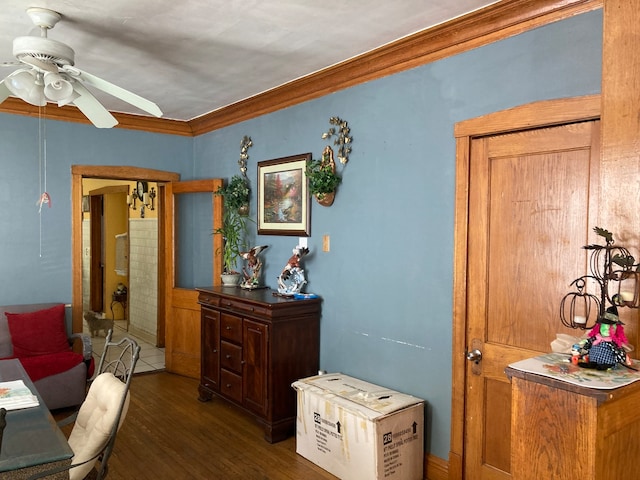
x=151 y=357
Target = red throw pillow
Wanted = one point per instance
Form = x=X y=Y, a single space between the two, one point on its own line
x=38 y=333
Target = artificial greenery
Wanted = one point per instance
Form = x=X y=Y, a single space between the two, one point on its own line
x=322 y=177
x=234 y=227
x=235 y=193
x=234 y=220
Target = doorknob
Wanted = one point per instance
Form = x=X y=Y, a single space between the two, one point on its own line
x=474 y=356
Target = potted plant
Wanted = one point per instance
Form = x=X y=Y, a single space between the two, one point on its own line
x=234 y=225
x=323 y=179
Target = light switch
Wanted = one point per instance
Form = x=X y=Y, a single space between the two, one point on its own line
x=302 y=242
x=326 y=243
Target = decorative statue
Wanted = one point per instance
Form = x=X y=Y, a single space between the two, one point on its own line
x=251 y=272
x=291 y=279
x=604 y=347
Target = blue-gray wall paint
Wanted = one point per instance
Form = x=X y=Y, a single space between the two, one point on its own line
x=387 y=281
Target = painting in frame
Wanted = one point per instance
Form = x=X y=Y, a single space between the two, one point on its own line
x=283 y=196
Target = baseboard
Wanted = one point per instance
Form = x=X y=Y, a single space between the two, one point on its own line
x=435 y=468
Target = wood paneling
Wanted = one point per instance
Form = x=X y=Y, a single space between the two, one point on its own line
x=579 y=432
x=620 y=166
x=620 y=171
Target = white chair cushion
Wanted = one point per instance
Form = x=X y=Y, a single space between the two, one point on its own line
x=95 y=420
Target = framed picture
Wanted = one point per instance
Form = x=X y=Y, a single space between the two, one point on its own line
x=283 y=197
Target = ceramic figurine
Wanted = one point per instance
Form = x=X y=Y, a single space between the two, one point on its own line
x=291 y=279
x=251 y=273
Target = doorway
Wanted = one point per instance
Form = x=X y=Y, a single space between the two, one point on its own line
x=524 y=196
x=120 y=174
x=104 y=264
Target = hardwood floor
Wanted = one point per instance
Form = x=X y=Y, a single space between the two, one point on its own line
x=169 y=434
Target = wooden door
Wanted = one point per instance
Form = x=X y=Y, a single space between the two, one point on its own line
x=531 y=209
x=96 y=264
x=182 y=321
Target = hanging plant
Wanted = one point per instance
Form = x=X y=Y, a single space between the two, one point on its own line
x=322 y=177
x=321 y=174
x=236 y=194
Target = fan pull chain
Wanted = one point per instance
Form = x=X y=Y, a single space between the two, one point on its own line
x=42 y=169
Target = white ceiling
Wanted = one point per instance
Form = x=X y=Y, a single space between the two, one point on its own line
x=192 y=57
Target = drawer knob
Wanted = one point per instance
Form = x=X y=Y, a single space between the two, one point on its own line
x=228 y=356
x=228 y=385
x=228 y=327
x=215 y=350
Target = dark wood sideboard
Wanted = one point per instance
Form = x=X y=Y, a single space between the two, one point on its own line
x=254 y=346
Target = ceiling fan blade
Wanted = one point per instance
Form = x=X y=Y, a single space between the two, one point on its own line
x=92 y=108
x=114 y=90
x=4 y=92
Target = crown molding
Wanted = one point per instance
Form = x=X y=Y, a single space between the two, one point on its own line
x=498 y=21
x=16 y=106
x=495 y=22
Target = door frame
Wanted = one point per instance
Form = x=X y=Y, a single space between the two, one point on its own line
x=125 y=173
x=533 y=115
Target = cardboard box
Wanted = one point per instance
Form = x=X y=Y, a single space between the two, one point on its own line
x=358 y=430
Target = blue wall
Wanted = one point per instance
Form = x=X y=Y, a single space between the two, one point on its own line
x=387 y=281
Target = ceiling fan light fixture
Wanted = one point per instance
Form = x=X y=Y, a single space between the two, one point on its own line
x=23 y=84
x=57 y=88
x=67 y=100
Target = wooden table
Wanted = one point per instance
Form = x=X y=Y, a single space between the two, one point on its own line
x=563 y=431
x=32 y=442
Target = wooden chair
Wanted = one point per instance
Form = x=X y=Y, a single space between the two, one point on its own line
x=102 y=413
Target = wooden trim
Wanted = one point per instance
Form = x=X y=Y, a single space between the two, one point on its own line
x=493 y=23
x=76 y=253
x=218 y=240
x=189 y=186
x=161 y=324
x=533 y=115
x=72 y=114
x=461 y=223
x=119 y=172
x=575 y=109
x=435 y=468
x=110 y=189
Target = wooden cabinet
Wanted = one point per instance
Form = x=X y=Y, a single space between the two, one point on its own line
x=254 y=346
x=563 y=431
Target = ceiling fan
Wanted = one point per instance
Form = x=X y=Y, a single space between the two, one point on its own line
x=48 y=74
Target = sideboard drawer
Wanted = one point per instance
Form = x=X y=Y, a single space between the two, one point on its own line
x=231 y=356
x=231 y=327
x=242 y=307
x=231 y=385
